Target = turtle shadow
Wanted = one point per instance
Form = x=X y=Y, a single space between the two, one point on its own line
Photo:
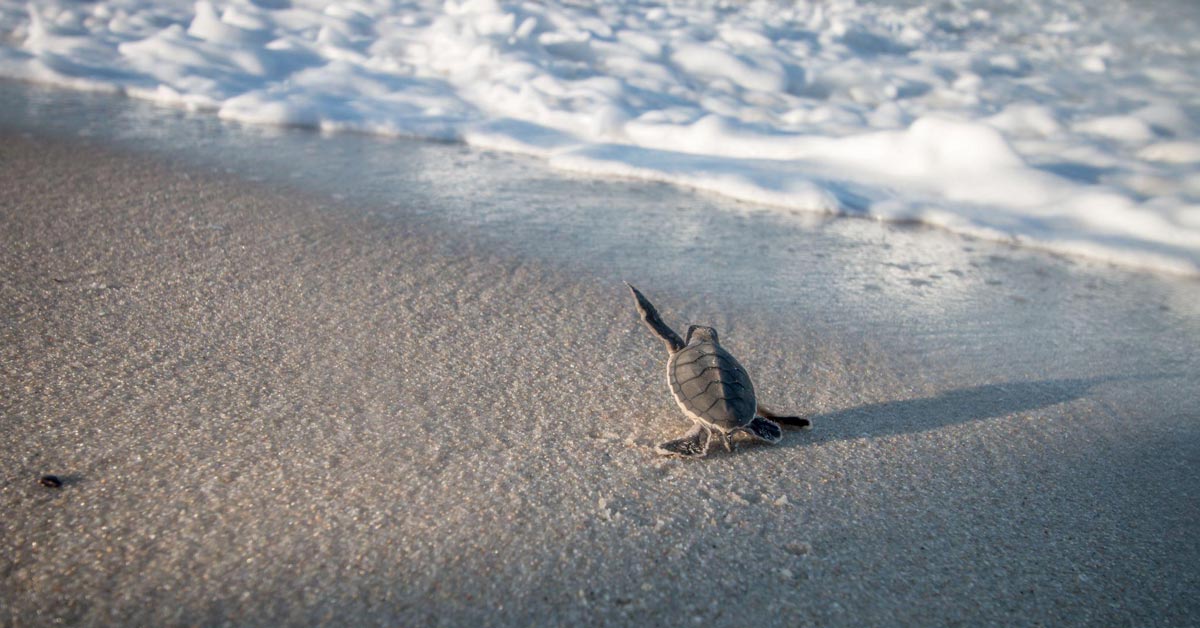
x=952 y=407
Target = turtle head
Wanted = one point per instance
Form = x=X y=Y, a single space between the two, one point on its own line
x=700 y=333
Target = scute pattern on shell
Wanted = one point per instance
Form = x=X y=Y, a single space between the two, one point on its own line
x=709 y=382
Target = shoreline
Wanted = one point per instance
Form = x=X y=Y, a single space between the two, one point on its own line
x=874 y=109
x=272 y=408
x=140 y=125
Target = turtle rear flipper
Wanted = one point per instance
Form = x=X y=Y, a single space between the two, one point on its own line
x=794 y=421
x=789 y=421
x=764 y=429
x=694 y=444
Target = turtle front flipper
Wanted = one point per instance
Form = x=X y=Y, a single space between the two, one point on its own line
x=764 y=429
x=789 y=421
x=694 y=444
x=654 y=321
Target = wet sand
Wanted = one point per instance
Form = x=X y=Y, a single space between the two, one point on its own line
x=270 y=408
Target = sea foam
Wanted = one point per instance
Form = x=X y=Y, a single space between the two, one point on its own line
x=1053 y=124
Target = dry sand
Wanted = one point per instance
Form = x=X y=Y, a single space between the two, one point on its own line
x=274 y=410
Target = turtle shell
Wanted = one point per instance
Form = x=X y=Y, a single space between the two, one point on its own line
x=710 y=385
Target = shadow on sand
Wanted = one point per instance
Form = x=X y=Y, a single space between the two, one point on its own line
x=953 y=407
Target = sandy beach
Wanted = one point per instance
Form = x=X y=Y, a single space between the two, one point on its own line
x=270 y=408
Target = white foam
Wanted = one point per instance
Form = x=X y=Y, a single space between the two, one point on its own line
x=1058 y=125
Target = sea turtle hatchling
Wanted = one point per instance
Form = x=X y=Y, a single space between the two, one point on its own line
x=711 y=388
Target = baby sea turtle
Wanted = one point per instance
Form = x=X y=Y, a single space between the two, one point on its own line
x=711 y=388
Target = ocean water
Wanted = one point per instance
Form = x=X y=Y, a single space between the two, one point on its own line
x=715 y=260
x=1066 y=126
